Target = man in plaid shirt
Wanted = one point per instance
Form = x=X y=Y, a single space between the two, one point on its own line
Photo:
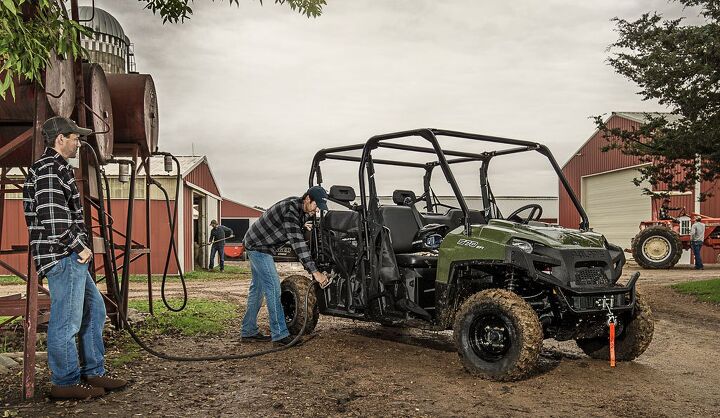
x=59 y=246
x=282 y=223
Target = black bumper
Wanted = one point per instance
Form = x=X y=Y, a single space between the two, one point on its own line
x=584 y=279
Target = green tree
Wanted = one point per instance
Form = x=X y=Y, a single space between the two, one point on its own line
x=677 y=65
x=30 y=30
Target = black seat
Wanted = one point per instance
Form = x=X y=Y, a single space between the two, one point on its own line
x=341 y=220
x=454 y=218
x=402 y=225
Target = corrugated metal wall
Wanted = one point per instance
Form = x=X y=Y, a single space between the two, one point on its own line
x=15 y=233
x=591 y=160
x=201 y=177
x=232 y=209
x=159 y=234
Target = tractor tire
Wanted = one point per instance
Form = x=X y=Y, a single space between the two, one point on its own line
x=498 y=335
x=631 y=343
x=657 y=247
x=292 y=296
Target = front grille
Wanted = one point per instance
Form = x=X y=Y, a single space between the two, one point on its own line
x=583 y=303
x=592 y=276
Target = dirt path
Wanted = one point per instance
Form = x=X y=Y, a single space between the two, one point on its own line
x=358 y=369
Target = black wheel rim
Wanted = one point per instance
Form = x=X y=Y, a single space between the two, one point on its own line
x=289 y=304
x=490 y=337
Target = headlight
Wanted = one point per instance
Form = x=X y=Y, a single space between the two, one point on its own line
x=523 y=245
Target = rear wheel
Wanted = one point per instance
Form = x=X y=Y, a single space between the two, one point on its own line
x=631 y=343
x=292 y=296
x=656 y=247
x=498 y=335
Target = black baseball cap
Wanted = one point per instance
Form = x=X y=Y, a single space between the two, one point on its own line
x=59 y=125
x=319 y=196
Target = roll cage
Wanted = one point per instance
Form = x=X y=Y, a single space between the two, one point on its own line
x=367 y=170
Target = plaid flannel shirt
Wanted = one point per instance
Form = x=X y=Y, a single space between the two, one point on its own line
x=53 y=211
x=282 y=223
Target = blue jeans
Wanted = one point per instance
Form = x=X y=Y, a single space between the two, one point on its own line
x=76 y=309
x=221 y=251
x=265 y=281
x=696 y=248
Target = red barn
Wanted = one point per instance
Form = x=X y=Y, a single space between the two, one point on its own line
x=198 y=202
x=615 y=206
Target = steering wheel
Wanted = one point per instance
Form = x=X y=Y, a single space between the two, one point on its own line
x=535 y=214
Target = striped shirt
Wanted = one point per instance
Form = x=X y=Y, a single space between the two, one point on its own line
x=53 y=211
x=282 y=223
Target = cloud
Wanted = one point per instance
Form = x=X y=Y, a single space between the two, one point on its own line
x=259 y=89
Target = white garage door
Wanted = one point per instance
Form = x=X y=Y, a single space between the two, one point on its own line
x=615 y=206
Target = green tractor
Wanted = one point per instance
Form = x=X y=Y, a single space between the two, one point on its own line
x=503 y=284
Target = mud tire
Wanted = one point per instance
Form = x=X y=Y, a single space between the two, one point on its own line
x=631 y=343
x=292 y=296
x=521 y=326
x=663 y=236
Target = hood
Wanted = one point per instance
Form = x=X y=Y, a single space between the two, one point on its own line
x=552 y=236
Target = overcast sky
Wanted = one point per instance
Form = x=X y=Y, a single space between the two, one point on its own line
x=259 y=89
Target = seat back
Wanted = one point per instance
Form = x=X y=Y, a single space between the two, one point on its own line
x=402 y=225
x=454 y=218
x=346 y=221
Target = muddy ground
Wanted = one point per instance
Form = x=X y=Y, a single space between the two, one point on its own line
x=358 y=369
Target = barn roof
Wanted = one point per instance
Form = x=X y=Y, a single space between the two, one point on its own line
x=639 y=117
x=157 y=166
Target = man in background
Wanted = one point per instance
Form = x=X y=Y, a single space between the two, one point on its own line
x=218 y=235
x=697 y=236
x=664 y=211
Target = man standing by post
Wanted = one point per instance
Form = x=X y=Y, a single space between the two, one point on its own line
x=697 y=236
x=282 y=223
x=59 y=246
x=218 y=235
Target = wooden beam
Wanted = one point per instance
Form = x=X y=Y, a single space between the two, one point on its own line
x=16 y=143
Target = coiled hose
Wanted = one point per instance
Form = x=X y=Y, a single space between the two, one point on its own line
x=118 y=302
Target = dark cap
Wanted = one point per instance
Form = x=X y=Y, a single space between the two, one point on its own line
x=58 y=125
x=318 y=195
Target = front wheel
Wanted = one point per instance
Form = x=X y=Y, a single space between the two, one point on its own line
x=498 y=335
x=631 y=343
x=292 y=296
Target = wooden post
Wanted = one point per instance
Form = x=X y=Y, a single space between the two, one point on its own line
x=31 y=307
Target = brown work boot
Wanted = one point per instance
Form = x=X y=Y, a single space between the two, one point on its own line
x=105 y=382
x=77 y=391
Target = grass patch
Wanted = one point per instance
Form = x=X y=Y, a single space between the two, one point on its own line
x=8 y=280
x=230 y=273
x=200 y=317
x=704 y=290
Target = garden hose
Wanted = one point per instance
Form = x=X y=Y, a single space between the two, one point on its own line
x=172 y=247
x=258 y=353
x=118 y=302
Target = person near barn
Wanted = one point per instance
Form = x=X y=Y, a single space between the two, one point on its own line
x=218 y=235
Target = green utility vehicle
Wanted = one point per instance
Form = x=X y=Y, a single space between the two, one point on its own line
x=501 y=283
